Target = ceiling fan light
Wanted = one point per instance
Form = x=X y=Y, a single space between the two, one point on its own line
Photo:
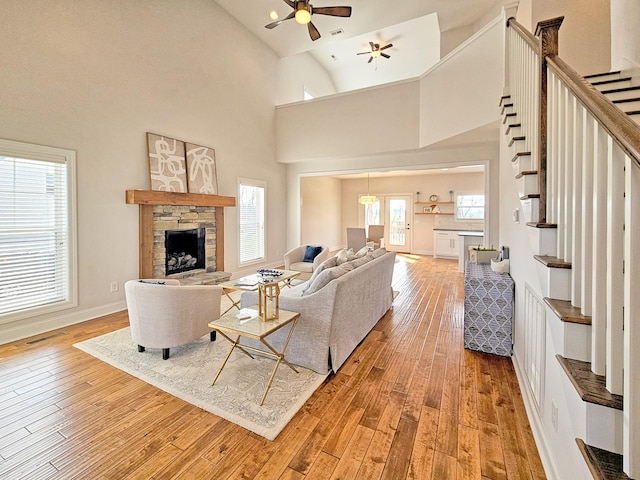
x=303 y=16
x=375 y=53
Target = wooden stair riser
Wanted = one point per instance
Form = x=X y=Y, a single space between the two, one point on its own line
x=527 y=184
x=557 y=281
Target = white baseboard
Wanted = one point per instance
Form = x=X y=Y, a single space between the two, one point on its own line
x=11 y=334
x=537 y=428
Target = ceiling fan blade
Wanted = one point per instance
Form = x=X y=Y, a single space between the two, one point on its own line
x=364 y=53
x=389 y=45
x=278 y=22
x=333 y=11
x=385 y=55
x=313 y=32
x=370 y=59
x=290 y=3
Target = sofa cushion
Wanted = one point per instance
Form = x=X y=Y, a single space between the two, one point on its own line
x=328 y=263
x=324 y=278
x=305 y=267
x=362 y=252
x=311 y=252
x=343 y=255
x=379 y=252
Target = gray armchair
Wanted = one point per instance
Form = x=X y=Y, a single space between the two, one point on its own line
x=356 y=238
x=294 y=260
x=376 y=234
x=164 y=314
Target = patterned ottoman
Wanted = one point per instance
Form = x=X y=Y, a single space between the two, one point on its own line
x=488 y=310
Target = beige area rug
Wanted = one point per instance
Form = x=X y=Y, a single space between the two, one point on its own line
x=190 y=369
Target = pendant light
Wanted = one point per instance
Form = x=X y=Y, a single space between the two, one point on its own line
x=368 y=199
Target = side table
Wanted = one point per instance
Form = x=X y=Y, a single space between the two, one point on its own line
x=230 y=325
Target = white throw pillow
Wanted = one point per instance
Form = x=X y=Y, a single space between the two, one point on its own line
x=343 y=255
x=328 y=263
x=362 y=252
x=323 y=279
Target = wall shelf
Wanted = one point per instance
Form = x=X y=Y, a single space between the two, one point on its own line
x=434 y=203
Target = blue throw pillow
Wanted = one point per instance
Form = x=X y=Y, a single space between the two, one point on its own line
x=310 y=253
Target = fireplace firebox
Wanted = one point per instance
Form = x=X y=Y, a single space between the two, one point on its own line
x=184 y=250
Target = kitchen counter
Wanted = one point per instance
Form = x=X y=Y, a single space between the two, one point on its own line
x=465 y=230
x=467 y=239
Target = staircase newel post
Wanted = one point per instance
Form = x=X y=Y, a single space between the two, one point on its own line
x=547 y=31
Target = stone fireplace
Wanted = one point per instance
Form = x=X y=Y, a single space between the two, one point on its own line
x=162 y=211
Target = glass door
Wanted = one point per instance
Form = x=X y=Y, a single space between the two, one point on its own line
x=398 y=209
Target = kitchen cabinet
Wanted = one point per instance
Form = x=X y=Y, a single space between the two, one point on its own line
x=445 y=244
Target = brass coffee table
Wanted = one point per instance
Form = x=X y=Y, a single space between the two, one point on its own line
x=250 y=284
x=229 y=326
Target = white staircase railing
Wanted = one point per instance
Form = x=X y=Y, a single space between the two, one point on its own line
x=591 y=177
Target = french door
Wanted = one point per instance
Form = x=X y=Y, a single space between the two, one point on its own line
x=399 y=211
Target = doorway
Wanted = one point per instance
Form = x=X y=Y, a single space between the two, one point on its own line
x=398 y=220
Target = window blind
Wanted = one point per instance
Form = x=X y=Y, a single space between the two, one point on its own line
x=251 y=222
x=34 y=234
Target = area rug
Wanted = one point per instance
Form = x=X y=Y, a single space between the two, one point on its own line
x=190 y=369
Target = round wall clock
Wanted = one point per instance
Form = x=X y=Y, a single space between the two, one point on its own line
x=433 y=198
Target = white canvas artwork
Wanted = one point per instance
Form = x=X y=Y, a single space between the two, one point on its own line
x=201 y=168
x=167 y=167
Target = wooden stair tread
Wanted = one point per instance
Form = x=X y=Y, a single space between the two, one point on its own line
x=508 y=116
x=590 y=387
x=530 y=195
x=520 y=154
x=626 y=100
x=613 y=80
x=503 y=99
x=516 y=139
x=603 y=74
x=618 y=90
x=541 y=225
x=527 y=172
x=552 y=262
x=567 y=312
x=602 y=464
x=510 y=126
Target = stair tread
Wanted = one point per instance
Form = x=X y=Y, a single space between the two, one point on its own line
x=567 y=312
x=602 y=464
x=590 y=387
x=604 y=74
x=530 y=195
x=520 y=154
x=508 y=116
x=618 y=90
x=542 y=225
x=626 y=100
x=552 y=262
x=510 y=126
x=614 y=80
x=527 y=172
x=516 y=139
x=504 y=98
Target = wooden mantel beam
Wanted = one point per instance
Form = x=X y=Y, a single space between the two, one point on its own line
x=153 y=197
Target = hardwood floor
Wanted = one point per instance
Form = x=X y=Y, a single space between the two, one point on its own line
x=410 y=403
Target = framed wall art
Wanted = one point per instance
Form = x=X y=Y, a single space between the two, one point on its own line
x=167 y=166
x=202 y=176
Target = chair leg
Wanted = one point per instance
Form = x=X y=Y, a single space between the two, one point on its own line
x=140 y=348
x=212 y=336
x=165 y=353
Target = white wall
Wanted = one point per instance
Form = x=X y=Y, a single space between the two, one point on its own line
x=94 y=77
x=462 y=92
x=298 y=72
x=625 y=34
x=321 y=201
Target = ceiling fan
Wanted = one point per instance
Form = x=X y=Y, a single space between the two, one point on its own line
x=302 y=12
x=376 y=51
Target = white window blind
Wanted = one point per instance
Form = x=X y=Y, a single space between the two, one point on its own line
x=37 y=241
x=251 y=207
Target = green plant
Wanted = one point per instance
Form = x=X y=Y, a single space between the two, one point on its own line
x=484 y=249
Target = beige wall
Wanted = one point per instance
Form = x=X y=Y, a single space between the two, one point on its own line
x=625 y=34
x=321 y=200
x=94 y=76
x=298 y=72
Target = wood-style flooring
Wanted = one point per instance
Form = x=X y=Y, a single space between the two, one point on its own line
x=410 y=403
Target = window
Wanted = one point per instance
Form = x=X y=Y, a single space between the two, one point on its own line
x=372 y=214
x=469 y=206
x=37 y=230
x=251 y=203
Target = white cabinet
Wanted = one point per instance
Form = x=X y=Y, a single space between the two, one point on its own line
x=445 y=244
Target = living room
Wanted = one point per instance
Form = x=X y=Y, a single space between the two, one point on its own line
x=95 y=79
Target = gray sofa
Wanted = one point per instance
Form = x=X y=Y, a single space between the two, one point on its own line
x=335 y=318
